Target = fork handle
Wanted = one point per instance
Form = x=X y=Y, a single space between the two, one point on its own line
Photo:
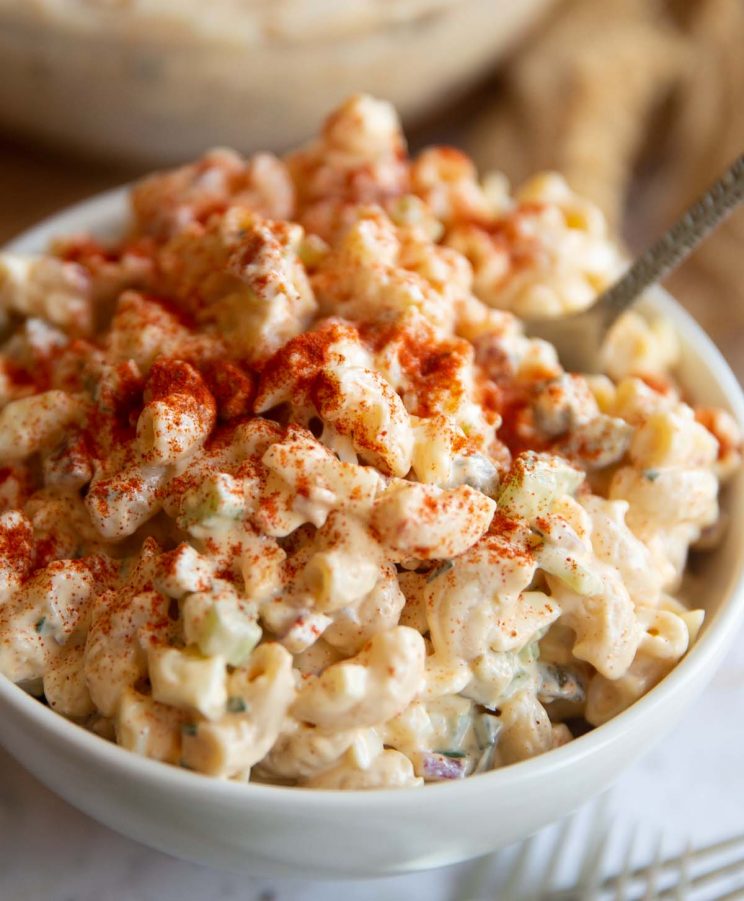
x=675 y=244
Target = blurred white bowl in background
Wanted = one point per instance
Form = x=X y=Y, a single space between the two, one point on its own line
x=161 y=80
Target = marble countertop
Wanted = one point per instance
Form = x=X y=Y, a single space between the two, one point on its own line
x=688 y=789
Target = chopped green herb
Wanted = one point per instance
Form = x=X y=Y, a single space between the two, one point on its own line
x=236 y=705
x=189 y=728
x=39 y=624
x=651 y=474
x=444 y=566
x=457 y=755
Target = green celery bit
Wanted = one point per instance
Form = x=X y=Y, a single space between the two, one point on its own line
x=487 y=729
x=229 y=633
x=564 y=566
x=215 y=497
x=534 y=482
x=529 y=653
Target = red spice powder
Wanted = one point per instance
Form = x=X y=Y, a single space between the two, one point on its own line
x=170 y=377
x=433 y=369
x=60 y=367
x=17 y=546
x=299 y=361
x=516 y=430
x=47 y=550
x=499 y=549
x=232 y=388
x=502 y=525
x=18 y=376
x=87 y=251
x=173 y=307
x=113 y=419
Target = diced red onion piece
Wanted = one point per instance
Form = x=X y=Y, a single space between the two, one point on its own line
x=437 y=767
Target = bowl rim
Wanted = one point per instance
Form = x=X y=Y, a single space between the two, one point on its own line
x=106 y=213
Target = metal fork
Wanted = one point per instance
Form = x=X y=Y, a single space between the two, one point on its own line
x=681 y=876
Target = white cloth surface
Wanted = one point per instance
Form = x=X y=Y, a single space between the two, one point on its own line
x=690 y=788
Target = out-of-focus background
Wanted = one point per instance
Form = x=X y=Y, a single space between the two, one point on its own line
x=640 y=103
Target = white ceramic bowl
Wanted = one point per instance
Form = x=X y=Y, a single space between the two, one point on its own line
x=271 y=830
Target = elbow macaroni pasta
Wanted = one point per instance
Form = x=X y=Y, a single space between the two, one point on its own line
x=287 y=495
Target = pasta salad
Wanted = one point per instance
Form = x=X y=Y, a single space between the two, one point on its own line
x=287 y=495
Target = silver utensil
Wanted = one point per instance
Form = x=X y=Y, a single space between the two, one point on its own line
x=533 y=873
x=675 y=876
x=578 y=338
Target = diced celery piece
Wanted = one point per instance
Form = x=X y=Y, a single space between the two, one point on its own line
x=219 y=495
x=232 y=635
x=534 y=482
x=565 y=566
x=485 y=761
x=219 y=625
x=460 y=731
x=487 y=729
x=520 y=681
x=529 y=653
